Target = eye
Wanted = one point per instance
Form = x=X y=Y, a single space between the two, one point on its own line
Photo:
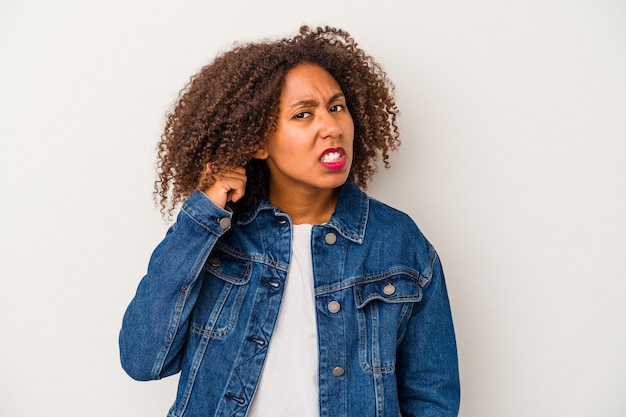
x=302 y=115
x=337 y=107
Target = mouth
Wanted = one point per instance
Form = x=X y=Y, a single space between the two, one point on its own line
x=334 y=159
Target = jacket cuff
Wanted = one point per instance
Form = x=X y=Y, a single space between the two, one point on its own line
x=201 y=209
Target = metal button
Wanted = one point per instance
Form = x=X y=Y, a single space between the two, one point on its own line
x=338 y=371
x=334 y=307
x=215 y=261
x=389 y=289
x=225 y=223
x=331 y=238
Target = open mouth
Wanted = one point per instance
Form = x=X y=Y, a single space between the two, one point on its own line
x=334 y=159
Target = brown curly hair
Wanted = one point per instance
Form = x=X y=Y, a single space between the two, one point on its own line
x=230 y=107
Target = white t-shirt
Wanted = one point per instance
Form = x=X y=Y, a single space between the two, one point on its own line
x=289 y=385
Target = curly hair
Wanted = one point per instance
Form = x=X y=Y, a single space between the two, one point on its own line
x=231 y=106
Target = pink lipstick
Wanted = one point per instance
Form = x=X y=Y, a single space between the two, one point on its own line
x=333 y=159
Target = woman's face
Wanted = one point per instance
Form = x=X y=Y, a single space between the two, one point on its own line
x=311 y=148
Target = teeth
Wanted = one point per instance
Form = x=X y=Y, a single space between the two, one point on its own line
x=331 y=157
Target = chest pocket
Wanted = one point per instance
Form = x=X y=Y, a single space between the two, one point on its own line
x=224 y=287
x=398 y=288
x=382 y=306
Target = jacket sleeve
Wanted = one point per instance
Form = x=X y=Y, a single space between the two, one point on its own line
x=427 y=363
x=154 y=327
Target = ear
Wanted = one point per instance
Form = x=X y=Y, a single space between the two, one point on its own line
x=260 y=153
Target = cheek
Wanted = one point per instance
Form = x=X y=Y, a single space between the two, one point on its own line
x=349 y=138
x=348 y=130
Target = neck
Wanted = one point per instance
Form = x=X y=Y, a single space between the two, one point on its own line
x=313 y=207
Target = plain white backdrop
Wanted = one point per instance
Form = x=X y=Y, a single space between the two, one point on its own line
x=513 y=163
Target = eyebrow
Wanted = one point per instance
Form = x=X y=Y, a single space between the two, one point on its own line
x=307 y=103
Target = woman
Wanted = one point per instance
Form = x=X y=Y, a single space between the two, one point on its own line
x=282 y=289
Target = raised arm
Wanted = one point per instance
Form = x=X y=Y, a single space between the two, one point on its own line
x=154 y=328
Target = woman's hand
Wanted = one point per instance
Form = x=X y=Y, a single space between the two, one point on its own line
x=229 y=185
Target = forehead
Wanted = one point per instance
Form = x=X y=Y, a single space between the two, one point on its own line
x=309 y=79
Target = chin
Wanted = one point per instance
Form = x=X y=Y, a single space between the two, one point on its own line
x=337 y=182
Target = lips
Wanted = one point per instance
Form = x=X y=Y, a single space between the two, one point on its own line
x=333 y=158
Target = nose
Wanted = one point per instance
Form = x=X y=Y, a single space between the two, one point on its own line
x=329 y=127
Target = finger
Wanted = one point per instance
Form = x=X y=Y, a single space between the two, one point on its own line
x=234 y=171
x=239 y=173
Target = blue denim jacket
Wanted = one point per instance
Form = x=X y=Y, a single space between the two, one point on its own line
x=210 y=300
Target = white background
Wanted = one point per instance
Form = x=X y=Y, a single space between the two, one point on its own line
x=513 y=164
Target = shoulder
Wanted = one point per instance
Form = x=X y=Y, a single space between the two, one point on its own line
x=387 y=217
x=396 y=232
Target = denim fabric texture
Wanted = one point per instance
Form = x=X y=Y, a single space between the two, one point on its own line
x=210 y=299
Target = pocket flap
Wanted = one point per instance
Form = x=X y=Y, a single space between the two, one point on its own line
x=398 y=288
x=229 y=268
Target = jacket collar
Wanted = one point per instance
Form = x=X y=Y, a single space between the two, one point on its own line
x=349 y=218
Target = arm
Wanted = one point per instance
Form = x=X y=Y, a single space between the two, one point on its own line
x=427 y=364
x=154 y=328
